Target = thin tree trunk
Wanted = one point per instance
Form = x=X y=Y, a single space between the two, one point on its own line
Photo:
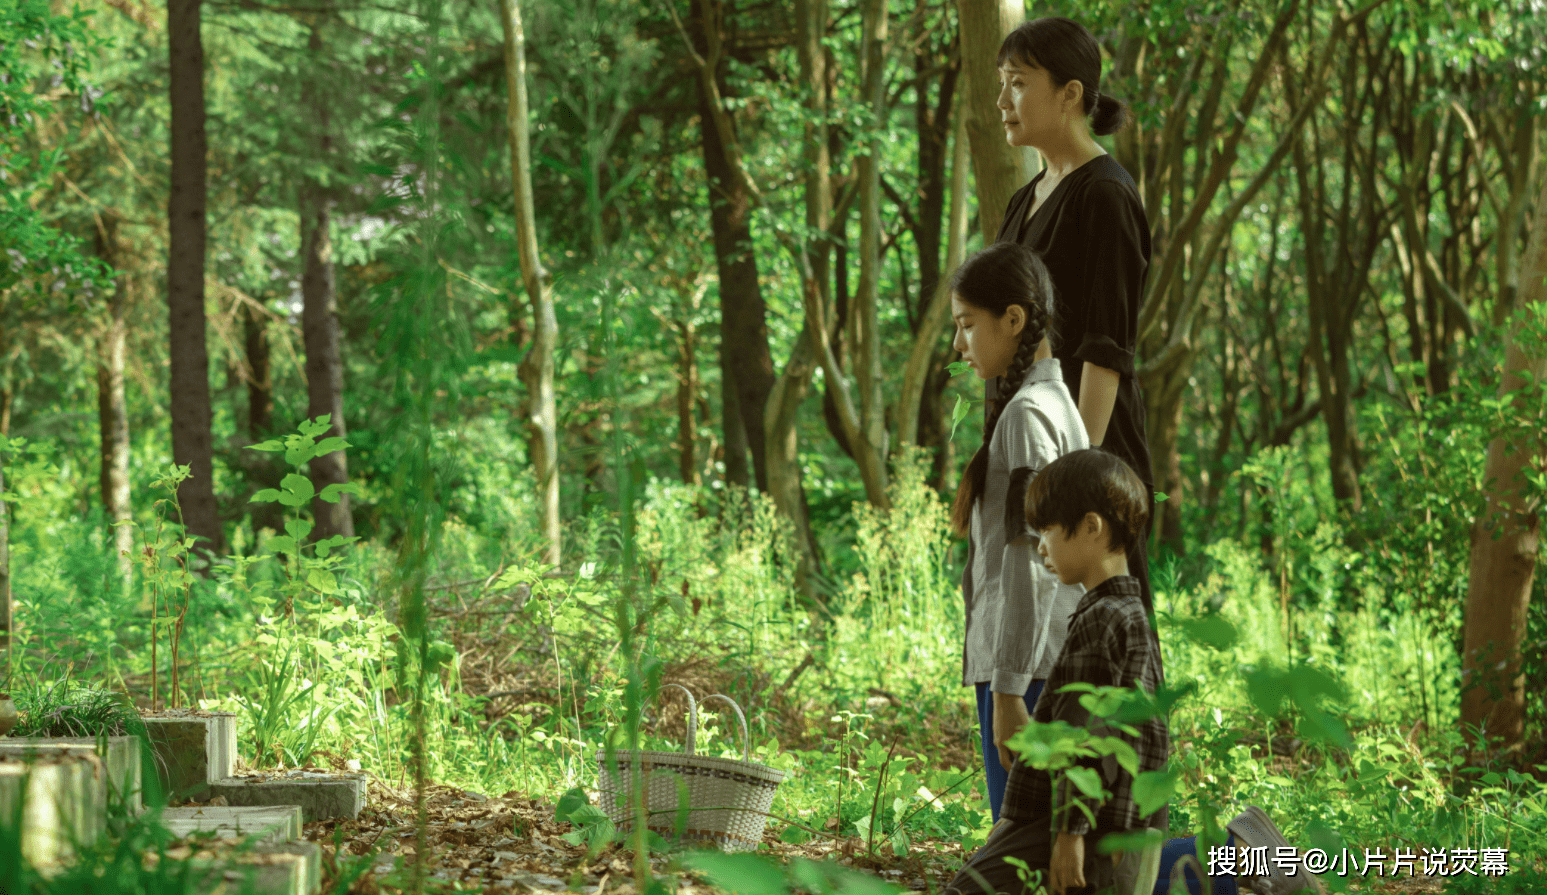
x=909 y=403
x=743 y=313
x=319 y=315
x=1506 y=539
x=782 y=411
x=112 y=415
x=262 y=466
x=537 y=368
x=864 y=319
x=998 y=168
x=192 y=441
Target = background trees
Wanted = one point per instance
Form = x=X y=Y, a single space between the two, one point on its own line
x=744 y=212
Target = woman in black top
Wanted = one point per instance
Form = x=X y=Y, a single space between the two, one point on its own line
x=1082 y=214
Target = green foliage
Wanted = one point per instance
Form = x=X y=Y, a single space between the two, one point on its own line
x=757 y=875
x=66 y=708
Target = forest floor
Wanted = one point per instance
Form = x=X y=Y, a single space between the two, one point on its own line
x=513 y=843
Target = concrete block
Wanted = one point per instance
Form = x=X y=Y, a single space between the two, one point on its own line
x=291 y=868
x=121 y=755
x=273 y=824
x=321 y=796
x=63 y=798
x=192 y=750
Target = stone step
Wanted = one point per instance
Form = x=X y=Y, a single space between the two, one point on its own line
x=63 y=803
x=286 y=868
x=192 y=750
x=322 y=796
x=273 y=824
x=121 y=754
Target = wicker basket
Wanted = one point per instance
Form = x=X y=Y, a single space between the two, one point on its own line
x=726 y=802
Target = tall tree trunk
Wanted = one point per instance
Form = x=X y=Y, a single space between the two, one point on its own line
x=782 y=411
x=925 y=341
x=998 y=168
x=864 y=322
x=743 y=314
x=112 y=415
x=537 y=367
x=319 y=312
x=262 y=466
x=192 y=440
x=1506 y=539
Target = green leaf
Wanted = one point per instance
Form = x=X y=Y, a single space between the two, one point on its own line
x=273 y=445
x=282 y=544
x=1086 y=780
x=575 y=798
x=742 y=874
x=956 y=368
x=1152 y=789
x=266 y=495
x=298 y=528
x=298 y=490
x=322 y=581
x=1213 y=631
x=959 y=413
x=314 y=427
x=329 y=445
x=332 y=493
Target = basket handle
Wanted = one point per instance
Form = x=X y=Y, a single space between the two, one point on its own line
x=692 y=715
x=746 y=742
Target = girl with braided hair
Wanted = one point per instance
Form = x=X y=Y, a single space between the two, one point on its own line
x=1017 y=612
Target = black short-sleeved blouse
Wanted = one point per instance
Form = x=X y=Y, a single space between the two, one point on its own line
x=1092 y=234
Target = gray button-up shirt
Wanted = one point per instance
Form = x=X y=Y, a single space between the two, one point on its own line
x=1017 y=612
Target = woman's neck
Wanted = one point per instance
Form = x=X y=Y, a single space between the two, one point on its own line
x=1072 y=150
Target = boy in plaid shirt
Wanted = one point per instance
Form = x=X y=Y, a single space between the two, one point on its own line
x=1087 y=508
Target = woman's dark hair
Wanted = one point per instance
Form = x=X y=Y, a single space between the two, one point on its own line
x=1089 y=481
x=1004 y=274
x=1068 y=52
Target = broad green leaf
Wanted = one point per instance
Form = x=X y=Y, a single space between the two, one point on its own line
x=272 y=445
x=742 y=874
x=331 y=493
x=1151 y=789
x=266 y=495
x=298 y=490
x=282 y=544
x=568 y=803
x=322 y=581
x=298 y=528
x=1086 y=780
x=314 y=427
x=329 y=445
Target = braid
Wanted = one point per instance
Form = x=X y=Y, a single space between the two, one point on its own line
x=996 y=278
x=976 y=477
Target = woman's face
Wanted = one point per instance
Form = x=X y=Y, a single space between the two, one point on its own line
x=986 y=340
x=1030 y=107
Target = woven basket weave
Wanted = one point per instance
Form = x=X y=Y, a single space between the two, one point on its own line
x=718 y=800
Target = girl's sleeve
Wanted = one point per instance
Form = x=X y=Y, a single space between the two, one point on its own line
x=1115 y=240
x=1029 y=440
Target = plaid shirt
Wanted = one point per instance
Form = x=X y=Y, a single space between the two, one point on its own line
x=1110 y=644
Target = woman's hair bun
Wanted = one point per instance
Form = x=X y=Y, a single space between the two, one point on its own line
x=1110 y=115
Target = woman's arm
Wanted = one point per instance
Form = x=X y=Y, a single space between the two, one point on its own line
x=1098 y=395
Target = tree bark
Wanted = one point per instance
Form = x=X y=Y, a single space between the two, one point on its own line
x=782 y=411
x=192 y=440
x=743 y=314
x=925 y=341
x=998 y=168
x=112 y=415
x=537 y=367
x=864 y=318
x=262 y=466
x=1506 y=539
x=319 y=312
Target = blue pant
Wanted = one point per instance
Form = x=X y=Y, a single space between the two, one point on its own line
x=1173 y=851
x=995 y=772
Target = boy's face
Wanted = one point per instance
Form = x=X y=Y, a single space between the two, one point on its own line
x=1072 y=555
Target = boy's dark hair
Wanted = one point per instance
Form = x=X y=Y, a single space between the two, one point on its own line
x=1089 y=481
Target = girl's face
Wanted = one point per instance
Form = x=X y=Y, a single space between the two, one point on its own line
x=1032 y=110
x=986 y=340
